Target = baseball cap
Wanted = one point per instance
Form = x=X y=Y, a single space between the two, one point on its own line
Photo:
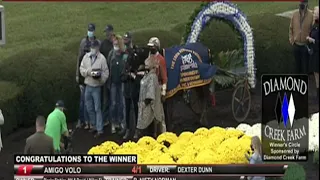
x=108 y=28
x=60 y=104
x=91 y=27
x=95 y=43
x=128 y=35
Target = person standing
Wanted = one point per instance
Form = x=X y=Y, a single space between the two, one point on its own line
x=150 y=113
x=83 y=49
x=1 y=123
x=256 y=157
x=57 y=125
x=105 y=48
x=131 y=89
x=313 y=40
x=300 y=27
x=117 y=58
x=95 y=71
x=161 y=71
x=39 y=142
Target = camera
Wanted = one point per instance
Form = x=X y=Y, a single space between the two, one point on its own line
x=96 y=73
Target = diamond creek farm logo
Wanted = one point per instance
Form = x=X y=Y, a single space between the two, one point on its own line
x=285 y=108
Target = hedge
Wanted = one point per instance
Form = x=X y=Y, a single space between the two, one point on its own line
x=272 y=49
x=44 y=76
x=10 y=95
x=167 y=38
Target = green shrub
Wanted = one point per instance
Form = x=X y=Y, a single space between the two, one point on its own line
x=273 y=52
x=10 y=95
x=44 y=77
x=316 y=157
x=295 y=172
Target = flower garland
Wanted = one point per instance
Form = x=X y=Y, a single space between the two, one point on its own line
x=230 y=12
x=313 y=132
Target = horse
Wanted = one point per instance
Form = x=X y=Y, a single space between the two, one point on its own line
x=197 y=98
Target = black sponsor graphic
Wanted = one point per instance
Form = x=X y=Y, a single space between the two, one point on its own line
x=285 y=122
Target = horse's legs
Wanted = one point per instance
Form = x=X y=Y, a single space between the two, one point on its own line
x=204 y=95
x=168 y=110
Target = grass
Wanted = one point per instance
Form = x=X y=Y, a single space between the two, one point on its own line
x=55 y=25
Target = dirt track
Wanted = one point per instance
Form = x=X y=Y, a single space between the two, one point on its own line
x=219 y=116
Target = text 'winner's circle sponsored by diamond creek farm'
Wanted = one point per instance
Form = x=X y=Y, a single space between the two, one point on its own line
x=285 y=122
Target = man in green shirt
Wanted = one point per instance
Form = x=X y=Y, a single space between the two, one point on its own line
x=57 y=125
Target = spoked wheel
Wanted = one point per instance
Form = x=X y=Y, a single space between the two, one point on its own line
x=241 y=102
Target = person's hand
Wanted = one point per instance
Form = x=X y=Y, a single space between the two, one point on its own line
x=291 y=41
x=133 y=75
x=89 y=72
x=61 y=145
x=141 y=73
x=311 y=40
x=77 y=79
x=81 y=88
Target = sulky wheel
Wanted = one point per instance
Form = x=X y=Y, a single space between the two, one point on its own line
x=241 y=102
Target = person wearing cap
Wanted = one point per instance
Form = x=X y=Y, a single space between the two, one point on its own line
x=105 y=48
x=39 y=142
x=127 y=38
x=131 y=89
x=57 y=125
x=300 y=27
x=95 y=71
x=154 y=46
x=83 y=49
x=116 y=60
x=1 y=123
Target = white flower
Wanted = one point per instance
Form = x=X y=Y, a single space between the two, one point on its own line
x=314 y=132
x=244 y=127
x=216 y=8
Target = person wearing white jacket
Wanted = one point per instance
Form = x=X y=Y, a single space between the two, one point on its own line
x=1 y=123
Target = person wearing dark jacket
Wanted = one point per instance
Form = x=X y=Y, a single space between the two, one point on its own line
x=39 y=142
x=105 y=48
x=313 y=45
x=83 y=49
x=131 y=88
x=116 y=60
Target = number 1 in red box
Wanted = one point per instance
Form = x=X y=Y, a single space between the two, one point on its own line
x=24 y=170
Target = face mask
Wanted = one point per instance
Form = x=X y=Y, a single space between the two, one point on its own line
x=93 y=51
x=153 y=51
x=116 y=48
x=128 y=43
x=302 y=6
x=90 y=34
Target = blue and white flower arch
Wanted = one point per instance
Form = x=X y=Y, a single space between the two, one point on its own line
x=230 y=12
